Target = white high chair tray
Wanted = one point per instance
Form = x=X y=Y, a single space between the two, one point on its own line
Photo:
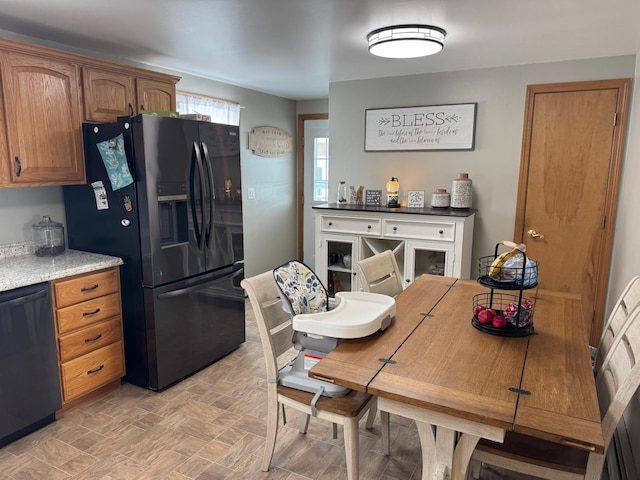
x=357 y=315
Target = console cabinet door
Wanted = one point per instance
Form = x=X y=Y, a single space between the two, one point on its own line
x=335 y=259
x=155 y=95
x=43 y=119
x=107 y=95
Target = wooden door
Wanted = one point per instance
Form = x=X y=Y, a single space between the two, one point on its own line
x=155 y=95
x=43 y=118
x=107 y=95
x=571 y=155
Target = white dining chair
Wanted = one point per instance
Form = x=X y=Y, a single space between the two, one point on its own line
x=616 y=383
x=627 y=301
x=276 y=333
x=380 y=274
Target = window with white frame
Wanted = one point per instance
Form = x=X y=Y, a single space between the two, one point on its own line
x=220 y=111
x=321 y=169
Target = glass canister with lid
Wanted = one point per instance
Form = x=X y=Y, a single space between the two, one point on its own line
x=48 y=237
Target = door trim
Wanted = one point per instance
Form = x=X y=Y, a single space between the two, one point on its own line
x=611 y=200
x=300 y=173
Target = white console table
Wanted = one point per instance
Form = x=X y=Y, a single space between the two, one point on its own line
x=424 y=240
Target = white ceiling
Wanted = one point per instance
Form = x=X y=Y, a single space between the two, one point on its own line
x=294 y=48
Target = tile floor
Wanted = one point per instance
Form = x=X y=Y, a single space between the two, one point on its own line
x=210 y=426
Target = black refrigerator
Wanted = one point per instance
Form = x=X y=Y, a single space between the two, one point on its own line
x=164 y=194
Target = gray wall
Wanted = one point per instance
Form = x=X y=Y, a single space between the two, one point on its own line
x=493 y=165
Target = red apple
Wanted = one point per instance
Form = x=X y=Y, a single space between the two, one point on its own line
x=478 y=309
x=486 y=315
x=499 y=321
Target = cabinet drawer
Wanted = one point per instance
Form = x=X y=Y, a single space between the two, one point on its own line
x=86 y=287
x=85 y=313
x=92 y=370
x=419 y=230
x=89 y=339
x=354 y=225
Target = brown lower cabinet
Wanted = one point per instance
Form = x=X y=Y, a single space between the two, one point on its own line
x=88 y=315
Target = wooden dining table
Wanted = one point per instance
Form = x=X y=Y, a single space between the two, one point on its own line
x=461 y=384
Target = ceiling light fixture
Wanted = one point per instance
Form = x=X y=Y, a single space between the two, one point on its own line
x=406 y=41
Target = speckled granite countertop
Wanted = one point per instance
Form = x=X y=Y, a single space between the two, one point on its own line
x=20 y=267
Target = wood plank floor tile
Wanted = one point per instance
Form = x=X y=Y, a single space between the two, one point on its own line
x=210 y=426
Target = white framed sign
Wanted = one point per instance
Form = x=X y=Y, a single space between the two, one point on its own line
x=415 y=198
x=434 y=127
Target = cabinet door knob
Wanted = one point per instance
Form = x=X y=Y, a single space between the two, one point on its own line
x=395 y=229
x=441 y=232
x=407 y=280
x=330 y=223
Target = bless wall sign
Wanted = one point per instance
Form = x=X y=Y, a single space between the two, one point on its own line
x=435 y=127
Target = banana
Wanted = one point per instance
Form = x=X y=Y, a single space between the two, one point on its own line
x=496 y=266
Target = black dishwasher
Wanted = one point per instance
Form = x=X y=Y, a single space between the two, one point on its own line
x=29 y=381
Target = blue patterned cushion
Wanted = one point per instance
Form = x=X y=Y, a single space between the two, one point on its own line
x=301 y=287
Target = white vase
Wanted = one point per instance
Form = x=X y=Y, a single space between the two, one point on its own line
x=461 y=191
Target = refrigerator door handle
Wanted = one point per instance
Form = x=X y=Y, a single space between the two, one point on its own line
x=208 y=168
x=196 y=176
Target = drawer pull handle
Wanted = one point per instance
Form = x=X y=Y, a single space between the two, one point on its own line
x=89 y=289
x=330 y=223
x=441 y=232
x=88 y=314
x=395 y=229
x=369 y=227
x=89 y=340
x=90 y=372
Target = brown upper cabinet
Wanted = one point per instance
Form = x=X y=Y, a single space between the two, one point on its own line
x=155 y=95
x=46 y=94
x=43 y=119
x=109 y=95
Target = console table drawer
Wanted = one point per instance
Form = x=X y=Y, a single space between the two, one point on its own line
x=353 y=225
x=419 y=230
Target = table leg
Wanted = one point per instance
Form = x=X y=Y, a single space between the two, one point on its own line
x=445 y=454
x=445 y=447
x=462 y=455
x=428 y=446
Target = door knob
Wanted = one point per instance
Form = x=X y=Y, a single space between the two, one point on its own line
x=534 y=234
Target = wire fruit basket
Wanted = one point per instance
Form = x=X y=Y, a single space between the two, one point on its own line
x=515 y=273
x=503 y=314
x=498 y=312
